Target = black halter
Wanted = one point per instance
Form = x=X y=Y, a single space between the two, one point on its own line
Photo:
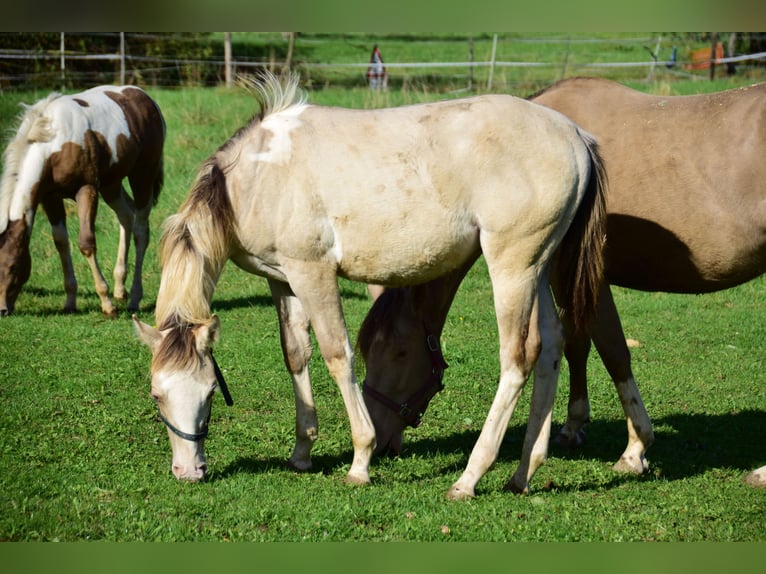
x=413 y=408
x=198 y=436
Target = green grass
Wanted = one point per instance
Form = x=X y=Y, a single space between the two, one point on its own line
x=83 y=456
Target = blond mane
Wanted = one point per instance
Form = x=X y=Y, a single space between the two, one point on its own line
x=33 y=126
x=193 y=250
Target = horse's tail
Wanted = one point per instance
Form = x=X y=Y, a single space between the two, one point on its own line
x=579 y=267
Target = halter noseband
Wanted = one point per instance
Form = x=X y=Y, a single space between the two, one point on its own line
x=413 y=408
x=198 y=436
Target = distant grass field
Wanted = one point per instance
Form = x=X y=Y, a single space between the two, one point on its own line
x=84 y=457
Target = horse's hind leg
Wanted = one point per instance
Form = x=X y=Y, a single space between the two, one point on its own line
x=87 y=208
x=576 y=350
x=546 y=373
x=296 y=350
x=609 y=339
x=516 y=308
x=54 y=210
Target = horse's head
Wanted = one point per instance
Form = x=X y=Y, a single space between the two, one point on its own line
x=404 y=368
x=15 y=263
x=184 y=377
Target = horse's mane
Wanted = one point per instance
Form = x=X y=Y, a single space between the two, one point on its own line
x=194 y=247
x=380 y=320
x=33 y=126
x=274 y=93
x=196 y=241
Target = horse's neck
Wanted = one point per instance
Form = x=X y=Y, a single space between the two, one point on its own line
x=436 y=297
x=16 y=198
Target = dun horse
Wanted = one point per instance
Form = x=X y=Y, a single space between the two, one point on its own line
x=79 y=147
x=304 y=194
x=685 y=215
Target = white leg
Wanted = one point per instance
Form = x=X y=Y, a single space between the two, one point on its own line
x=317 y=288
x=535 y=449
x=123 y=209
x=516 y=309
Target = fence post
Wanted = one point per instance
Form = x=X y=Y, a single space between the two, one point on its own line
x=122 y=58
x=492 y=63
x=63 y=64
x=227 y=58
x=713 y=44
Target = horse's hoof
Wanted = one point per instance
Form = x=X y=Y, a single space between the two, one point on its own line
x=458 y=493
x=110 y=314
x=299 y=466
x=512 y=486
x=570 y=441
x=631 y=465
x=757 y=478
x=357 y=479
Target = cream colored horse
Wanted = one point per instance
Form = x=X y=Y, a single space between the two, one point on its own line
x=304 y=194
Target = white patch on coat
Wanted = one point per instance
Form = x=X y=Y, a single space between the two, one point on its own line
x=280 y=144
x=68 y=121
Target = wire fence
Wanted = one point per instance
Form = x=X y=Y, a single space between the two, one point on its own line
x=489 y=61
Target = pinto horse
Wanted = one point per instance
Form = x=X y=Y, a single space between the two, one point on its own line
x=79 y=147
x=685 y=215
x=304 y=194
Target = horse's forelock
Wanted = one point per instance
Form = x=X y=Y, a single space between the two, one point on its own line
x=178 y=346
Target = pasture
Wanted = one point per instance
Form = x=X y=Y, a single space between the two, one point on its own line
x=83 y=455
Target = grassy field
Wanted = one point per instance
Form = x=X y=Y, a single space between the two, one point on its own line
x=84 y=457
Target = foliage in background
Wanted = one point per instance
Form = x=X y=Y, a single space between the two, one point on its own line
x=196 y=59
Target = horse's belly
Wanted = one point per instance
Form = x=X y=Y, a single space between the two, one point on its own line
x=407 y=257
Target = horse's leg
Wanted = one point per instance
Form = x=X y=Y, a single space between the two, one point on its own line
x=54 y=210
x=609 y=339
x=316 y=285
x=141 y=238
x=576 y=350
x=546 y=373
x=757 y=477
x=119 y=202
x=87 y=208
x=515 y=300
x=296 y=350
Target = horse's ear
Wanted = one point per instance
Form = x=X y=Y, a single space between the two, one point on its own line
x=149 y=336
x=207 y=334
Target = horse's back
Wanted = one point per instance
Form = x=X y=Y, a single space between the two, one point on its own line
x=687 y=182
x=401 y=191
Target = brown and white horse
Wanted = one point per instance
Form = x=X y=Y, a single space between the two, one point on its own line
x=686 y=214
x=81 y=146
x=304 y=194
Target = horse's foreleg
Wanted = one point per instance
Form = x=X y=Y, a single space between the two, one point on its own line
x=54 y=210
x=119 y=201
x=296 y=350
x=609 y=339
x=519 y=347
x=87 y=208
x=317 y=288
x=546 y=373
